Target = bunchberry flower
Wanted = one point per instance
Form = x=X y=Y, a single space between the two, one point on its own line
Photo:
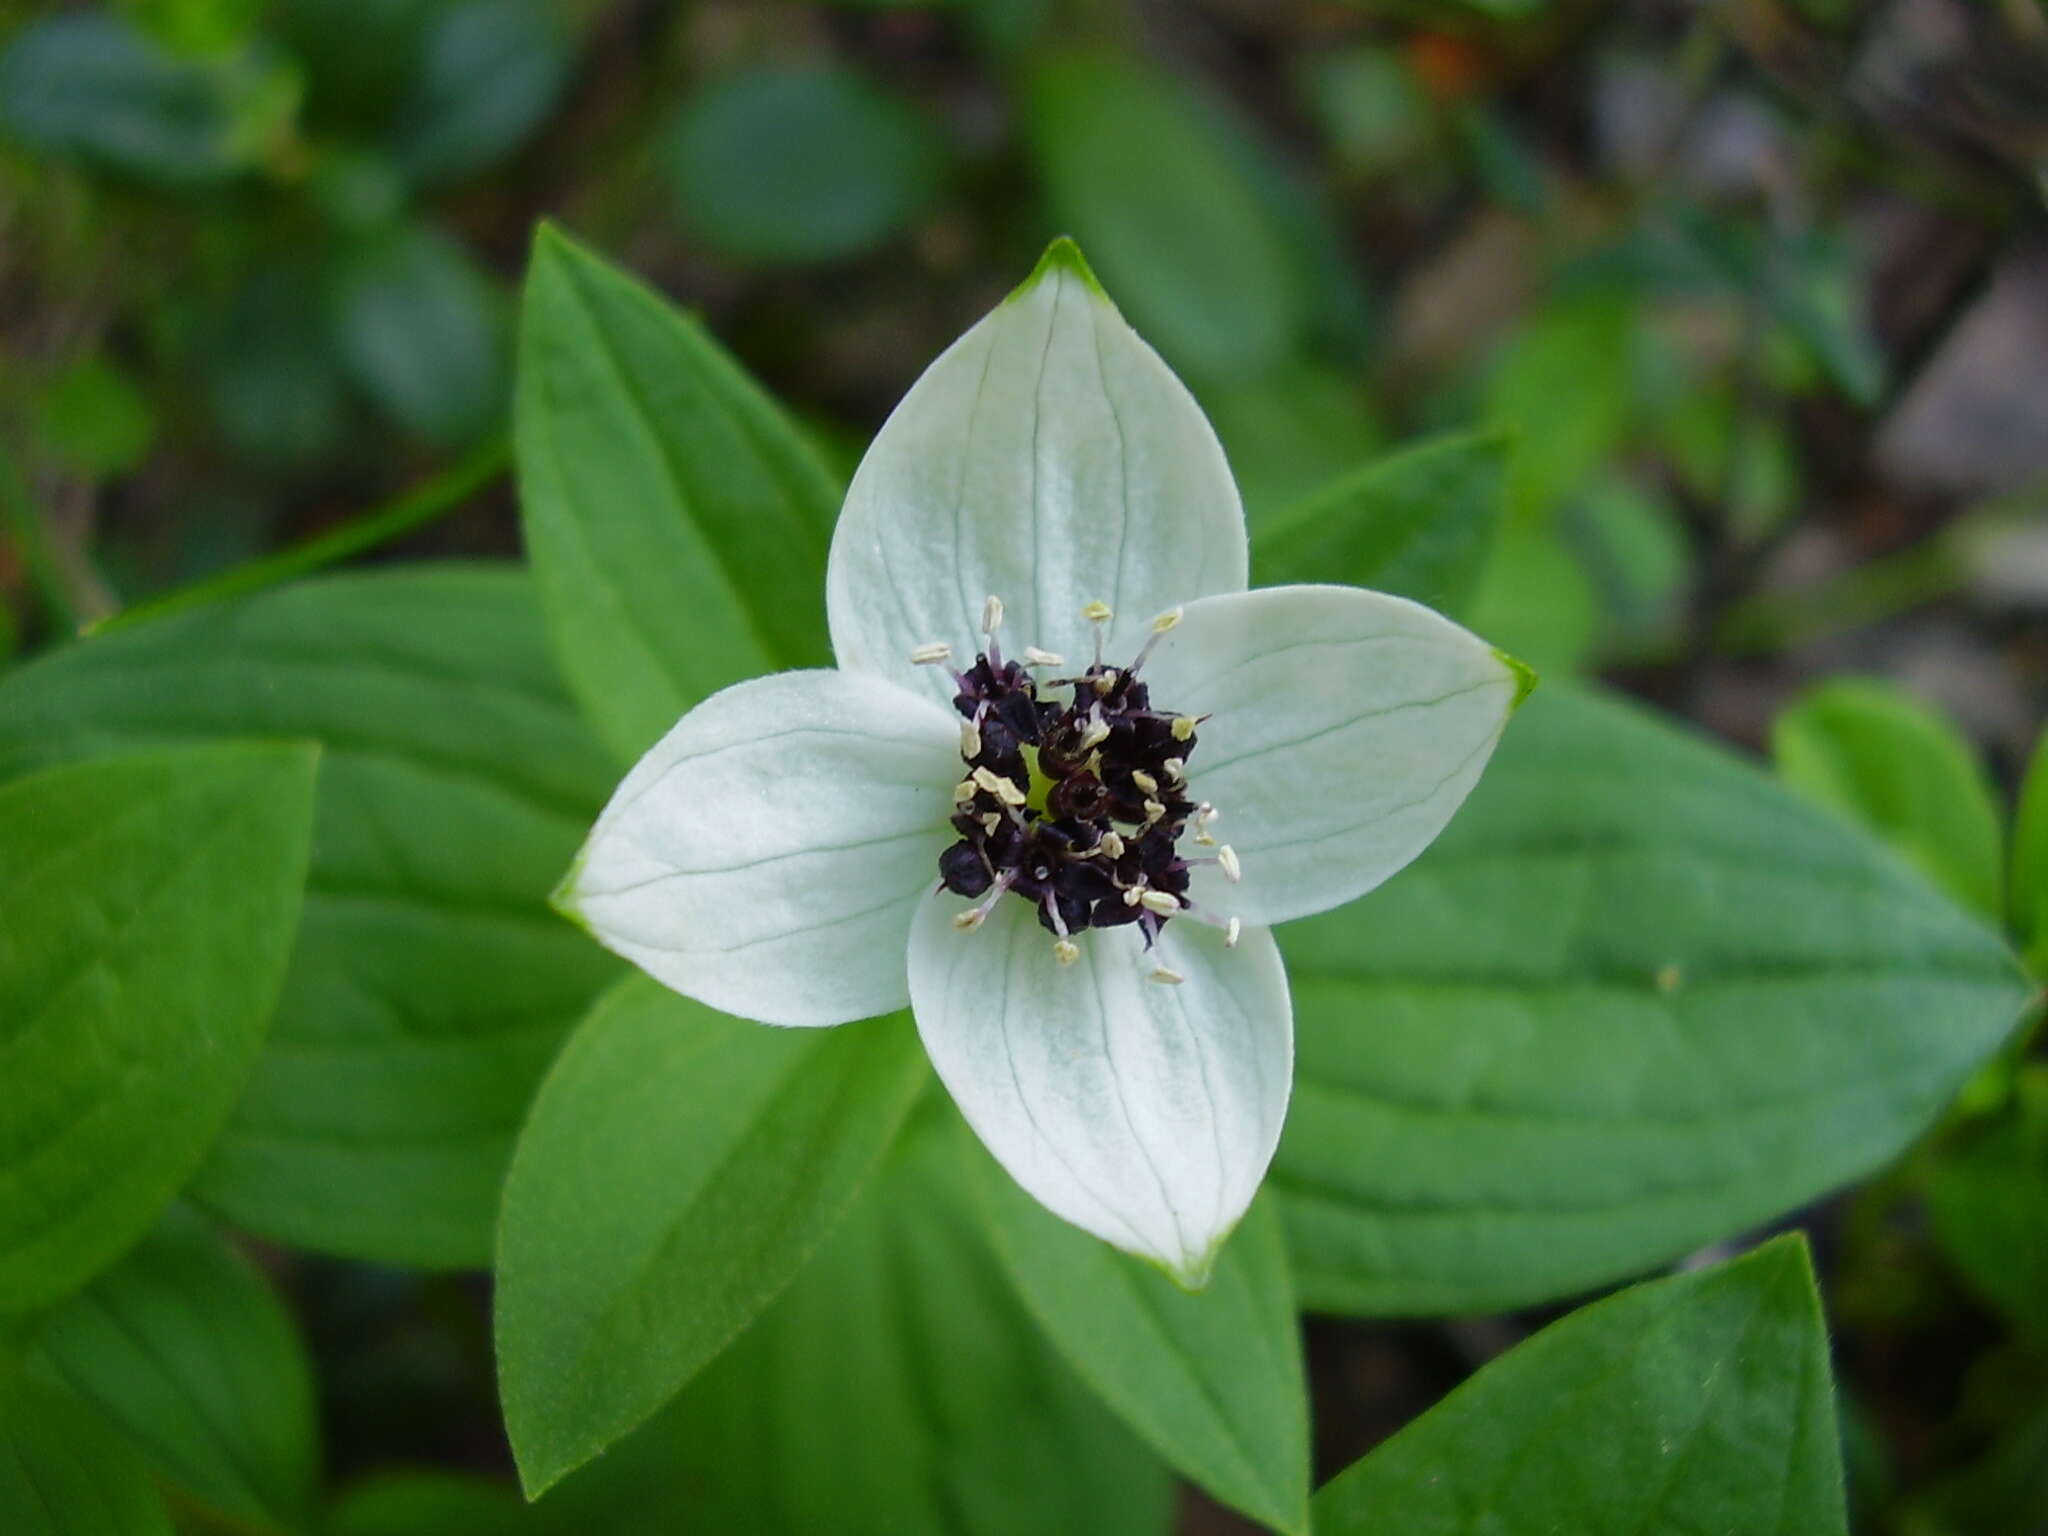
x=1067 y=774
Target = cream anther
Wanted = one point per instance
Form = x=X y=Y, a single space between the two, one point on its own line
x=1145 y=782
x=1038 y=658
x=1066 y=951
x=931 y=654
x=991 y=615
x=1183 y=727
x=999 y=786
x=1233 y=871
x=1231 y=931
x=1167 y=978
x=1097 y=612
x=1165 y=903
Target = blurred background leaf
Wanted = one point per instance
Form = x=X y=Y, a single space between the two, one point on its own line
x=1700 y=347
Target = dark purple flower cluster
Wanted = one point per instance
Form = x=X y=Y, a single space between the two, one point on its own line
x=1075 y=797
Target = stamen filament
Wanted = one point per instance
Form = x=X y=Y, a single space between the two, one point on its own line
x=977 y=914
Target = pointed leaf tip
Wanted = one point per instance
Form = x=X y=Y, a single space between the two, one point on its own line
x=1063 y=256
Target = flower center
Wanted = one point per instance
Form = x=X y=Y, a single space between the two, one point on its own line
x=1075 y=793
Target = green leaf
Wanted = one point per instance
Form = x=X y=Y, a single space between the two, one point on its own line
x=1564 y=383
x=1290 y=432
x=430 y=985
x=1892 y=765
x=93 y=88
x=1632 y=543
x=1177 y=228
x=896 y=1389
x=1987 y=1202
x=150 y=904
x=799 y=162
x=489 y=72
x=91 y=418
x=678 y=1168
x=266 y=371
x=1636 y=998
x=1213 y=1381
x=186 y=1349
x=63 y=1473
x=1536 y=599
x=416 y=324
x=1699 y=1403
x=2030 y=861
x=676 y=519
x=1419 y=523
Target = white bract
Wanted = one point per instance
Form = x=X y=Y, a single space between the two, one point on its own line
x=1064 y=854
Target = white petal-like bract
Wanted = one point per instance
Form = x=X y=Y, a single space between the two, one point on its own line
x=1144 y=1112
x=1345 y=728
x=766 y=855
x=1049 y=458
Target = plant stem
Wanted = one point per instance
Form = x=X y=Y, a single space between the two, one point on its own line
x=433 y=497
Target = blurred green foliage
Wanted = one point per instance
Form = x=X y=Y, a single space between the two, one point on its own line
x=1635 y=295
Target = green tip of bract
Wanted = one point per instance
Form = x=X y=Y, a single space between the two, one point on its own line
x=1062 y=256
x=563 y=897
x=1192 y=1277
x=1525 y=676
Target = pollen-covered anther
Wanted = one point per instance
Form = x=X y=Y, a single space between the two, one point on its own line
x=1097 y=612
x=1176 y=769
x=1231 y=932
x=1154 y=811
x=964 y=792
x=1066 y=951
x=1002 y=788
x=1147 y=784
x=1166 y=977
x=1233 y=871
x=991 y=614
x=970 y=739
x=1037 y=658
x=1166 y=621
x=1095 y=734
x=1134 y=895
x=1112 y=845
x=1165 y=903
x=930 y=655
x=970 y=920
